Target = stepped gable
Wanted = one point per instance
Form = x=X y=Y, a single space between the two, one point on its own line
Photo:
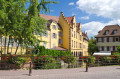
x=70 y=19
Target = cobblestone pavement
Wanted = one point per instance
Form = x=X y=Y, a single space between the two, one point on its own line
x=107 y=72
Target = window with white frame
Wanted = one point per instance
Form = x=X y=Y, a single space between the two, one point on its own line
x=114 y=31
x=74 y=34
x=60 y=41
x=100 y=49
x=54 y=35
x=110 y=39
x=74 y=44
x=45 y=34
x=54 y=27
x=11 y=42
x=60 y=34
x=99 y=39
x=111 y=48
x=80 y=45
x=105 y=39
x=80 y=37
x=44 y=44
x=115 y=48
x=106 y=32
x=54 y=45
x=105 y=48
x=116 y=39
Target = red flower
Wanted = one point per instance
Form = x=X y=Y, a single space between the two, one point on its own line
x=82 y=57
x=112 y=57
x=61 y=58
x=43 y=56
x=35 y=58
x=98 y=57
x=86 y=57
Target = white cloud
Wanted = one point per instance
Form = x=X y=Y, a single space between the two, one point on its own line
x=93 y=27
x=105 y=8
x=71 y=3
x=73 y=14
x=85 y=17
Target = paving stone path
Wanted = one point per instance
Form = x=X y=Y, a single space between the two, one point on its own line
x=107 y=72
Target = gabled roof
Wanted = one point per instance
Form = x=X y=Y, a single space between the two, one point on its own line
x=85 y=35
x=48 y=17
x=70 y=19
x=110 y=28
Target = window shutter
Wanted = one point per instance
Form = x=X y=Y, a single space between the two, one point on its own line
x=102 y=48
x=107 y=48
x=102 y=39
x=108 y=39
x=113 y=48
x=113 y=39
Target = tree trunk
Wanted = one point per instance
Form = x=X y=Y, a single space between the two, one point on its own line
x=8 y=45
x=5 y=46
x=17 y=48
x=1 y=45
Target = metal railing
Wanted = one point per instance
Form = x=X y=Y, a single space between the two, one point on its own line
x=49 y=62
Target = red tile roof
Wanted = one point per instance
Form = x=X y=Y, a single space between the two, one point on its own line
x=69 y=19
x=110 y=28
x=59 y=48
x=48 y=17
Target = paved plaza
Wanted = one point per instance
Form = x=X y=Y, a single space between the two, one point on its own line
x=107 y=72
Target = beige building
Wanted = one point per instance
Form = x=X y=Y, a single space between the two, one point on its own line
x=108 y=38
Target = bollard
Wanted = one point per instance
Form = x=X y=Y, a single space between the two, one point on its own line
x=30 y=69
x=87 y=67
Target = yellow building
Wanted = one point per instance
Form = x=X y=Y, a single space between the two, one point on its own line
x=65 y=34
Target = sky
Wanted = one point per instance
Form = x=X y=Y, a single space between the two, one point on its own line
x=93 y=14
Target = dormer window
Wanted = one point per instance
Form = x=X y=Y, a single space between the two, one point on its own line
x=106 y=32
x=115 y=31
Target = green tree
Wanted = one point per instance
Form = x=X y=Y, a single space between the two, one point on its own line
x=92 y=47
x=16 y=24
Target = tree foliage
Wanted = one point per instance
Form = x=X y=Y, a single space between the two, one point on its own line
x=16 y=24
x=92 y=47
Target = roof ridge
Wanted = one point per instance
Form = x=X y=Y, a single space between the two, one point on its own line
x=49 y=15
x=65 y=18
x=112 y=25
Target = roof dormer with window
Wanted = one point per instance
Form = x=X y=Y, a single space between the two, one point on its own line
x=114 y=31
x=106 y=32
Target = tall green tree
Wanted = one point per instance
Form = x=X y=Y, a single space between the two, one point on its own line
x=92 y=47
x=16 y=24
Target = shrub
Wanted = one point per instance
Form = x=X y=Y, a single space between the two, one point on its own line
x=91 y=60
x=14 y=60
x=45 y=62
x=68 y=59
